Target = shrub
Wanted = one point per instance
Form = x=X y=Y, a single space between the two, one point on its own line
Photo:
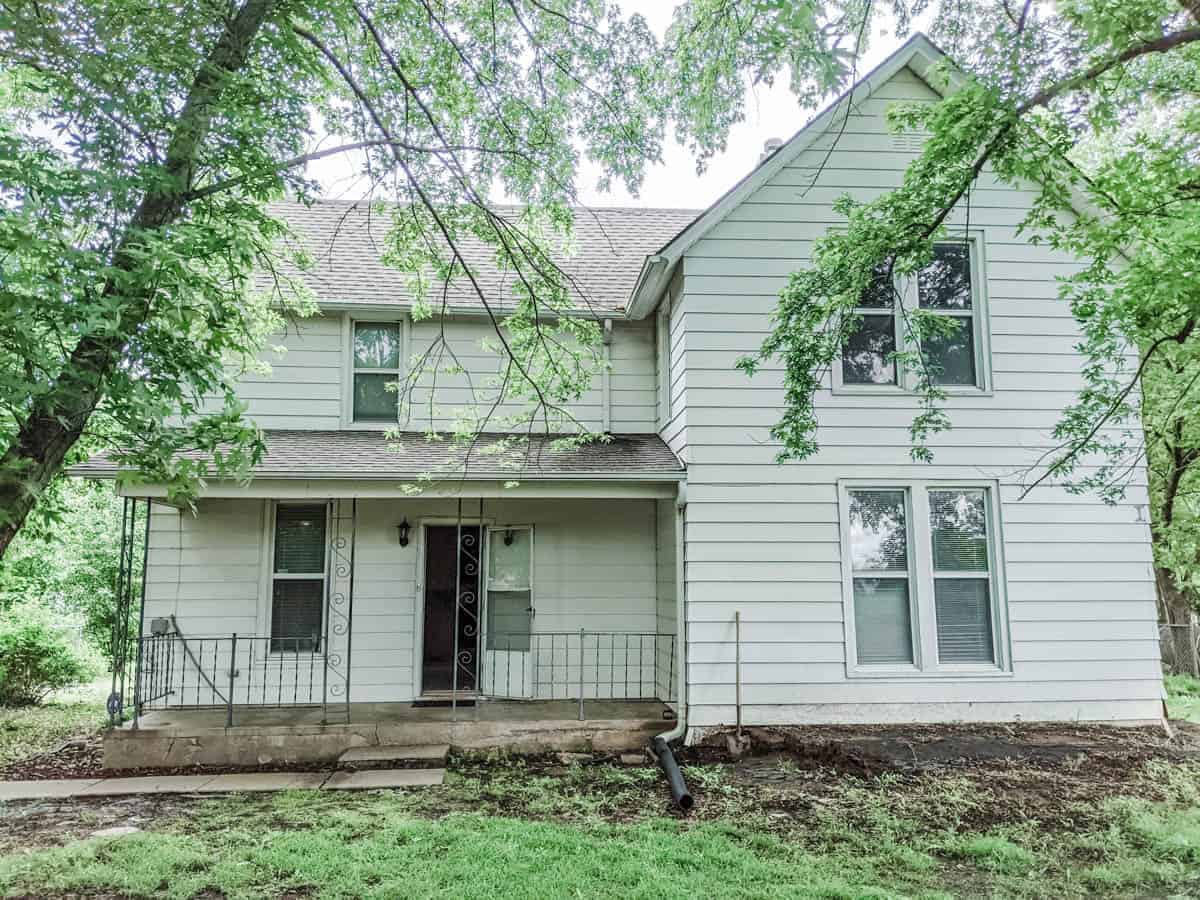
x=37 y=656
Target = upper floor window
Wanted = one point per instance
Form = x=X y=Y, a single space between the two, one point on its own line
x=376 y=371
x=949 y=286
x=921 y=578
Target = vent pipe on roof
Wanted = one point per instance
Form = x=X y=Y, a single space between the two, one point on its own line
x=770 y=145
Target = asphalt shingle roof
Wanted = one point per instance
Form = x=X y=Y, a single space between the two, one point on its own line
x=346 y=241
x=368 y=454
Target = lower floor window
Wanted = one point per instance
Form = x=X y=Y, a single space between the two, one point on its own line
x=298 y=578
x=921 y=576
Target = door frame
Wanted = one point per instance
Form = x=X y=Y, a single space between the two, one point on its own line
x=423 y=524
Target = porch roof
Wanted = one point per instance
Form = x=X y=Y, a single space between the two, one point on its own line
x=370 y=455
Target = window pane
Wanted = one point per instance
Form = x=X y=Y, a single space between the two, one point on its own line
x=946 y=282
x=964 y=620
x=866 y=358
x=376 y=346
x=296 y=615
x=882 y=623
x=958 y=520
x=952 y=358
x=508 y=621
x=508 y=560
x=879 y=293
x=373 y=402
x=878 y=537
x=300 y=538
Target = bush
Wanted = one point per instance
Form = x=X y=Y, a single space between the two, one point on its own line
x=37 y=656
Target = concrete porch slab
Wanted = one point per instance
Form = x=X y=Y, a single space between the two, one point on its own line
x=377 y=779
x=294 y=735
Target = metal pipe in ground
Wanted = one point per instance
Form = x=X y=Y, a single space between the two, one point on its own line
x=666 y=761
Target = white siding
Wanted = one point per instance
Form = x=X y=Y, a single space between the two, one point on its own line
x=596 y=567
x=765 y=539
x=307 y=381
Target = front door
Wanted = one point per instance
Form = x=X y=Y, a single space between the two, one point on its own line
x=508 y=636
x=451 y=609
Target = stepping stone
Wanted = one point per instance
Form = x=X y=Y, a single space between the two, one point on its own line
x=393 y=753
x=116 y=831
x=249 y=782
x=376 y=779
x=147 y=784
x=44 y=790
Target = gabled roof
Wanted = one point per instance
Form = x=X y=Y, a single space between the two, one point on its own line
x=918 y=53
x=369 y=455
x=346 y=241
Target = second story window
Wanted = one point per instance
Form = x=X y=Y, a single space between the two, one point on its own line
x=949 y=286
x=376 y=365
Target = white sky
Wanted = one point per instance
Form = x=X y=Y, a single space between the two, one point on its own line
x=770 y=112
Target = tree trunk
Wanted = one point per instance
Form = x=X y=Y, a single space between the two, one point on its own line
x=1178 y=622
x=36 y=453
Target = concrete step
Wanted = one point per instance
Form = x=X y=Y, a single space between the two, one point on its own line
x=390 y=754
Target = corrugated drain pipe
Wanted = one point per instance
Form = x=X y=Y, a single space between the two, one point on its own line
x=660 y=746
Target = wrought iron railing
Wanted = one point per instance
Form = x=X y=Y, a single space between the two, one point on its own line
x=238 y=671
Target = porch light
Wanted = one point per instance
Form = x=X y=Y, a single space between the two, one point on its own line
x=508 y=537
x=403 y=529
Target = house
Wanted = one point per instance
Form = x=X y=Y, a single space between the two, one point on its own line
x=676 y=578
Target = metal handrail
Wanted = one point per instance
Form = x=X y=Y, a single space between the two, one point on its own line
x=238 y=670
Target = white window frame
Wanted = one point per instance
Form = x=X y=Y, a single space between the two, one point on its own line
x=908 y=302
x=349 y=369
x=270 y=576
x=922 y=607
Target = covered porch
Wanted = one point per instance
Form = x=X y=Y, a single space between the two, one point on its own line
x=292 y=619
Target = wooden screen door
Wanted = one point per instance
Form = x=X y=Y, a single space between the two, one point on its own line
x=448 y=570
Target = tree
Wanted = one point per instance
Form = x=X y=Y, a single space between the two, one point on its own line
x=1037 y=90
x=139 y=143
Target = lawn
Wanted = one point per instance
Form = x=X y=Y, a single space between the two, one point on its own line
x=506 y=828
x=1183 y=697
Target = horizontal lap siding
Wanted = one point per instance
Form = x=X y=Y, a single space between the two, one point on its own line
x=596 y=568
x=306 y=380
x=765 y=539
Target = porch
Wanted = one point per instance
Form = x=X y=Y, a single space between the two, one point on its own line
x=176 y=737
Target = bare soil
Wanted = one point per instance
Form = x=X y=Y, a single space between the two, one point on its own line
x=1055 y=775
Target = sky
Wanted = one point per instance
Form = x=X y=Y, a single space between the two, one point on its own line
x=771 y=112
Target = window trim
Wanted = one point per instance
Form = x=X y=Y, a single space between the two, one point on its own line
x=922 y=609
x=264 y=654
x=906 y=290
x=348 y=369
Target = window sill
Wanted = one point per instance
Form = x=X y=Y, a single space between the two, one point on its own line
x=971 y=673
x=892 y=390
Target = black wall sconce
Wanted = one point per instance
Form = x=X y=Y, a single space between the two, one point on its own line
x=508 y=537
x=403 y=529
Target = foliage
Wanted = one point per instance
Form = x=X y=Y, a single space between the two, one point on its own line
x=1035 y=85
x=67 y=557
x=1183 y=697
x=38 y=657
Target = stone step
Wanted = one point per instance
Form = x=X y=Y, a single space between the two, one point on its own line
x=390 y=754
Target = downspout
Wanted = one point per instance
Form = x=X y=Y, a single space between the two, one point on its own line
x=606 y=378
x=660 y=745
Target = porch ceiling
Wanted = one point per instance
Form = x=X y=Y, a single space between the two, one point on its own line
x=369 y=455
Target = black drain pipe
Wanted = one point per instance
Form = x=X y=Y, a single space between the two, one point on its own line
x=666 y=761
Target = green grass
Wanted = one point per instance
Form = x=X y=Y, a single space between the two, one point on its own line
x=499 y=829
x=29 y=730
x=1183 y=697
